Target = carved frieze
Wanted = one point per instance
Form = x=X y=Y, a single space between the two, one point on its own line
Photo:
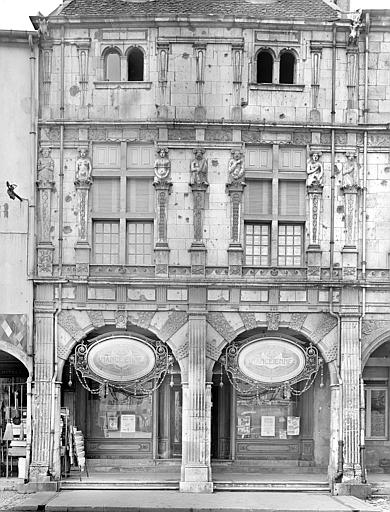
x=327 y=324
x=273 y=320
x=141 y=318
x=212 y=352
x=175 y=321
x=121 y=319
x=96 y=317
x=219 y=134
x=182 y=351
x=68 y=322
x=249 y=320
x=219 y=322
x=297 y=321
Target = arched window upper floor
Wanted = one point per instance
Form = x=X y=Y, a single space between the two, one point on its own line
x=112 y=65
x=121 y=66
x=276 y=68
x=135 y=64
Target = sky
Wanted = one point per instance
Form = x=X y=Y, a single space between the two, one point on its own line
x=14 y=14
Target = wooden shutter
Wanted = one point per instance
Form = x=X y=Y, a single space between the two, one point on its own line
x=292 y=198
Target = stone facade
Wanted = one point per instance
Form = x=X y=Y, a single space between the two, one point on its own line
x=277 y=228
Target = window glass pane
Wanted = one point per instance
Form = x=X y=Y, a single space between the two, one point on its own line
x=258 y=197
x=291 y=198
x=287 y=65
x=265 y=64
x=113 y=67
x=290 y=247
x=378 y=412
x=140 y=198
x=139 y=243
x=135 y=62
x=105 y=195
x=106 y=242
x=257 y=247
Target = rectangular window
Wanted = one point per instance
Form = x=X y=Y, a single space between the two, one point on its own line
x=257 y=244
x=106 y=242
x=258 y=197
x=139 y=243
x=290 y=242
x=292 y=198
x=376 y=412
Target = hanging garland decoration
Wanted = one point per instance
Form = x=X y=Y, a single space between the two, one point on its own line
x=253 y=372
x=121 y=365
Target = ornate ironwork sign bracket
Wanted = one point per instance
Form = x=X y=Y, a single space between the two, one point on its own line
x=271 y=368
x=121 y=363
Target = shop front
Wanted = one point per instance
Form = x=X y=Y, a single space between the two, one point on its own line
x=122 y=392
x=270 y=404
x=13 y=416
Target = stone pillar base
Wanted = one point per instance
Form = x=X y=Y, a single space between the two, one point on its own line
x=350 y=261
x=314 y=256
x=236 y=113
x=196 y=479
x=362 y=491
x=200 y=113
x=82 y=255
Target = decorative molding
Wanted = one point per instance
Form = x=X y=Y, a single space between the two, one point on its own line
x=175 y=321
x=297 y=321
x=96 y=317
x=249 y=320
x=69 y=323
x=273 y=320
x=121 y=319
x=327 y=324
x=212 y=352
x=221 y=325
x=142 y=319
x=13 y=330
x=182 y=351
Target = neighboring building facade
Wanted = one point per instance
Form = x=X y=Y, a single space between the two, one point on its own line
x=212 y=248
x=18 y=55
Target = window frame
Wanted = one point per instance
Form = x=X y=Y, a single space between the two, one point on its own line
x=124 y=170
x=368 y=420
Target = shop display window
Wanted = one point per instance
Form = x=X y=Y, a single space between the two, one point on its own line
x=262 y=420
x=120 y=417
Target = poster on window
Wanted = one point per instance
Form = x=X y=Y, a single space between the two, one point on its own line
x=244 y=426
x=268 y=426
x=128 y=423
x=112 y=422
x=293 y=423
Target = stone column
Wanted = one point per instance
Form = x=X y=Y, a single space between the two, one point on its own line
x=196 y=467
x=83 y=181
x=42 y=394
x=335 y=407
x=198 y=249
x=161 y=249
x=235 y=191
x=45 y=186
x=350 y=376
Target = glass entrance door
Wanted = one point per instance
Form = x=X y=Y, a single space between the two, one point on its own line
x=170 y=418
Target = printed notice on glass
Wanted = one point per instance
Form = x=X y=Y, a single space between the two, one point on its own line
x=128 y=423
x=293 y=425
x=268 y=426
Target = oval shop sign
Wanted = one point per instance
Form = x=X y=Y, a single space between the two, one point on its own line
x=271 y=360
x=121 y=359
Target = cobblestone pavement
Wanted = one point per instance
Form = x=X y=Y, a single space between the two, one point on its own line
x=9 y=499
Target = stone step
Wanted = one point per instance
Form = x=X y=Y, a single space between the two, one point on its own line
x=71 y=485
x=269 y=486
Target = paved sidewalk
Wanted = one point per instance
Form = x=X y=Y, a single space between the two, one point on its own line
x=173 y=501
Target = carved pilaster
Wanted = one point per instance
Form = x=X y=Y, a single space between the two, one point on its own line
x=200 y=59
x=315 y=210
x=163 y=55
x=42 y=393
x=162 y=184
x=235 y=191
x=46 y=74
x=350 y=376
x=237 y=54
x=82 y=182
x=45 y=184
x=352 y=84
x=316 y=54
x=196 y=468
x=198 y=250
x=83 y=53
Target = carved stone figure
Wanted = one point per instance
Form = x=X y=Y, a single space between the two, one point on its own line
x=43 y=25
x=83 y=168
x=350 y=169
x=356 y=24
x=236 y=168
x=315 y=170
x=199 y=168
x=162 y=167
x=45 y=167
